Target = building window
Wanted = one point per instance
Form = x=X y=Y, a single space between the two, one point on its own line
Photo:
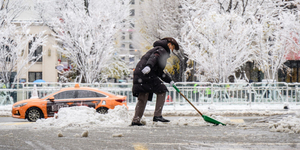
x=123 y=24
x=130 y=35
x=132 y=2
x=131 y=25
x=37 y=52
x=131 y=46
x=8 y=55
x=12 y=76
x=131 y=51
x=32 y=76
x=6 y=49
x=132 y=12
x=290 y=72
x=123 y=36
x=131 y=59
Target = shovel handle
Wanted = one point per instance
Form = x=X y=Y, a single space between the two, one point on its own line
x=176 y=88
x=187 y=99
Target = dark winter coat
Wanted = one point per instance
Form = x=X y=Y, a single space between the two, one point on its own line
x=156 y=59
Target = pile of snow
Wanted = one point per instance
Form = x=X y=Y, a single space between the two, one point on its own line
x=82 y=116
x=5 y=110
x=85 y=117
x=290 y=124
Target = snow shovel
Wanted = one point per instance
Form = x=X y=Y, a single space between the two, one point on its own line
x=206 y=118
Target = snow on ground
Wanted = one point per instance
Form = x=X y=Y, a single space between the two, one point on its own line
x=207 y=109
x=5 y=110
x=85 y=117
x=82 y=116
x=289 y=124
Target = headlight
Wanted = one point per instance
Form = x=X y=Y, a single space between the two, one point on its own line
x=20 y=105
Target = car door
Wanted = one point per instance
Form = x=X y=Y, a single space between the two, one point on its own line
x=62 y=99
x=90 y=98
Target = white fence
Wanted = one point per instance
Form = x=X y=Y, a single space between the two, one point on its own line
x=197 y=93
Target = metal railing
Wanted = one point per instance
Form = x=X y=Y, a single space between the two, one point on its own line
x=197 y=92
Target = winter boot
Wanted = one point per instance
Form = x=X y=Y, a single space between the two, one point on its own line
x=136 y=124
x=160 y=118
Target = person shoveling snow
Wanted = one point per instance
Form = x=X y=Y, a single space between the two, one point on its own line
x=147 y=78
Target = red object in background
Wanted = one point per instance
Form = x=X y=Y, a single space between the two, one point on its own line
x=169 y=99
x=61 y=20
x=292 y=55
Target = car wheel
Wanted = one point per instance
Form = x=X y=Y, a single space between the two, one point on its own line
x=34 y=114
x=102 y=110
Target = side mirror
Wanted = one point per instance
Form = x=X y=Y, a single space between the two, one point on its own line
x=51 y=99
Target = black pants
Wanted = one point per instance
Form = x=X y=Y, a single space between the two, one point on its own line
x=141 y=105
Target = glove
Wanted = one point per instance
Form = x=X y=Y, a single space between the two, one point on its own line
x=172 y=83
x=146 y=70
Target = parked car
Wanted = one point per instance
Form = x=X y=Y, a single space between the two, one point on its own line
x=33 y=109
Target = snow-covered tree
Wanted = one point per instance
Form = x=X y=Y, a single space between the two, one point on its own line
x=14 y=39
x=221 y=36
x=277 y=30
x=86 y=31
x=159 y=19
x=217 y=40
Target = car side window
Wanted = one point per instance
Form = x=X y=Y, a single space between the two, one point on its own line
x=89 y=94
x=66 y=95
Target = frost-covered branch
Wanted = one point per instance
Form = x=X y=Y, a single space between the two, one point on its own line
x=14 y=40
x=86 y=31
x=221 y=39
x=159 y=19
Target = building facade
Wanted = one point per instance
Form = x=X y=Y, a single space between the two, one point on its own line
x=45 y=67
x=127 y=49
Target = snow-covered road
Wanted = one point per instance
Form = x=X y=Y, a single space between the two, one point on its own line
x=82 y=128
x=153 y=136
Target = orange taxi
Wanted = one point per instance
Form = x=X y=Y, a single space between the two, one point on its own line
x=33 y=109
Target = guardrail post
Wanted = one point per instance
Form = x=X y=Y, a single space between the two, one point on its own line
x=212 y=92
x=250 y=94
x=296 y=93
x=287 y=93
